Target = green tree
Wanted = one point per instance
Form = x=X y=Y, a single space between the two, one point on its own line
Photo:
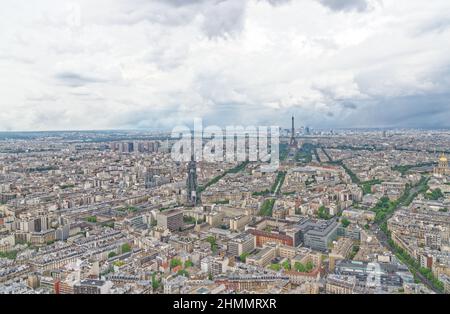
x=300 y=267
x=276 y=267
x=119 y=263
x=367 y=186
x=243 y=257
x=309 y=266
x=109 y=224
x=435 y=194
x=126 y=248
x=262 y=193
x=92 y=219
x=212 y=241
x=345 y=222
x=175 y=262
x=155 y=282
x=354 y=251
x=286 y=265
x=267 y=207
x=189 y=220
x=323 y=213
x=9 y=255
x=183 y=272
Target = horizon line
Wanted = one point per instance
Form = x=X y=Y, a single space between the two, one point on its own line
x=169 y=130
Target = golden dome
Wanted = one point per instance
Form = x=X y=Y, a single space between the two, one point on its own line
x=443 y=159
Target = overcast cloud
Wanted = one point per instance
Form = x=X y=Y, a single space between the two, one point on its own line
x=108 y=64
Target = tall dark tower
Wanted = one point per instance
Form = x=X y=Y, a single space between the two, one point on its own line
x=293 y=142
x=191 y=183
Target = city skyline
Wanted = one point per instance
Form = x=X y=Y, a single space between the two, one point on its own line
x=75 y=65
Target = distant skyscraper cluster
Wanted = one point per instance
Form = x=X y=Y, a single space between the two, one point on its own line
x=191 y=183
x=131 y=147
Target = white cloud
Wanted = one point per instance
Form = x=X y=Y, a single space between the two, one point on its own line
x=112 y=64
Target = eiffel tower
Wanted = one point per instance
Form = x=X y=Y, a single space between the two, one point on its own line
x=293 y=141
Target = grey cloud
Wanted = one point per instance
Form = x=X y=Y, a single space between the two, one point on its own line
x=437 y=25
x=346 y=5
x=276 y=2
x=190 y=2
x=75 y=80
x=18 y=59
x=165 y=12
x=222 y=18
x=151 y=118
x=42 y=98
x=178 y=3
x=348 y=105
x=428 y=111
x=227 y=17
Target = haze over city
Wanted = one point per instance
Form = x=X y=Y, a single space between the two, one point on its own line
x=74 y=65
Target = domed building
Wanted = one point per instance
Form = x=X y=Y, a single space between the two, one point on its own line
x=442 y=168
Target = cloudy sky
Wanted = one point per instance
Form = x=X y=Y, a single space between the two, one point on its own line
x=108 y=64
